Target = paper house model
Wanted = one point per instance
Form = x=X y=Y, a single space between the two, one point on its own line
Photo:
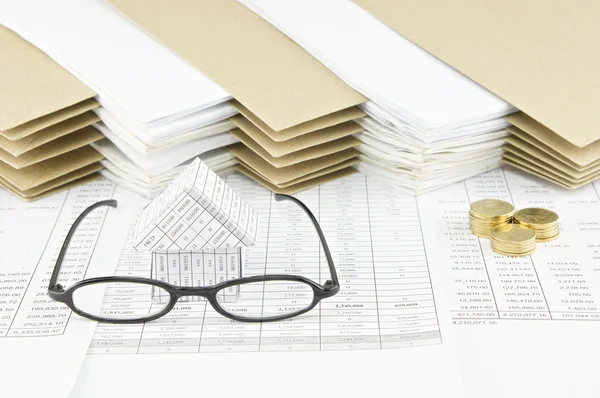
x=196 y=211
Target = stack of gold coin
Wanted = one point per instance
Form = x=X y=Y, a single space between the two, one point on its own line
x=513 y=240
x=543 y=221
x=487 y=213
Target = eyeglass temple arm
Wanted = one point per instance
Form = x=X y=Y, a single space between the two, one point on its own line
x=65 y=246
x=334 y=278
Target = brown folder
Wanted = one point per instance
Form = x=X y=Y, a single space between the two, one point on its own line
x=314 y=152
x=301 y=186
x=58 y=147
x=551 y=165
x=307 y=177
x=32 y=195
x=539 y=55
x=538 y=171
x=43 y=172
x=49 y=134
x=32 y=85
x=282 y=148
x=311 y=126
x=283 y=175
x=535 y=133
x=37 y=125
x=57 y=183
x=259 y=66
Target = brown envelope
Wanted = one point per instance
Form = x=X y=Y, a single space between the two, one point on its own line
x=53 y=184
x=520 y=135
x=533 y=172
x=541 y=56
x=548 y=139
x=298 y=187
x=31 y=84
x=320 y=123
x=566 y=174
x=278 y=149
x=532 y=169
x=300 y=156
x=308 y=177
x=19 y=147
x=43 y=122
x=73 y=184
x=537 y=155
x=40 y=173
x=259 y=66
x=282 y=175
x=62 y=145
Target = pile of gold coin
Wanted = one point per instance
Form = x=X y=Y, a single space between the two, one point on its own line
x=486 y=214
x=510 y=233
x=543 y=221
x=513 y=240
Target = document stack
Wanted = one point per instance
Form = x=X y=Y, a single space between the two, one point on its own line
x=45 y=123
x=296 y=117
x=156 y=110
x=543 y=62
x=427 y=125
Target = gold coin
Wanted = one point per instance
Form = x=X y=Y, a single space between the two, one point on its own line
x=512 y=233
x=483 y=229
x=528 y=242
x=488 y=224
x=542 y=235
x=487 y=208
x=513 y=249
x=536 y=216
x=553 y=227
x=513 y=254
x=481 y=234
x=540 y=229
x=544 y=240
x=478 y=217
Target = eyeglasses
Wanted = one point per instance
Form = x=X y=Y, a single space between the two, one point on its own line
x=262 y=298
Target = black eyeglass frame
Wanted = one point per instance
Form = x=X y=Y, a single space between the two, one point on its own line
x=57 y=292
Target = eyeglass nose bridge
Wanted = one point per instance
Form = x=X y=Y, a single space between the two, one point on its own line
x=187 y=291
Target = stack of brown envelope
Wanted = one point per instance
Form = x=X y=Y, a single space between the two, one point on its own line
x=45 y=123
x=540 y=56
x=539 y=151
x=305 y=154
x=296 y=118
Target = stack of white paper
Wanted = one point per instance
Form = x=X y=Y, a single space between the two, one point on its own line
x=156 y=108
x=428 y=125
x=120 y=169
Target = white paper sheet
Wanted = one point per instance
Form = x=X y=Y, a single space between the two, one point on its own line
x=151 y=190
x=121 y=170
x=42 y=344
x=527 y=326
x=144 y=142
x=522 y=327
x=407 y=182
x=401 y=131
x=384 y=303
x=159 y=162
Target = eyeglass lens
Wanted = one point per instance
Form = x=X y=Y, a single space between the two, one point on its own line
x=119 y=300
x=268 y=299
